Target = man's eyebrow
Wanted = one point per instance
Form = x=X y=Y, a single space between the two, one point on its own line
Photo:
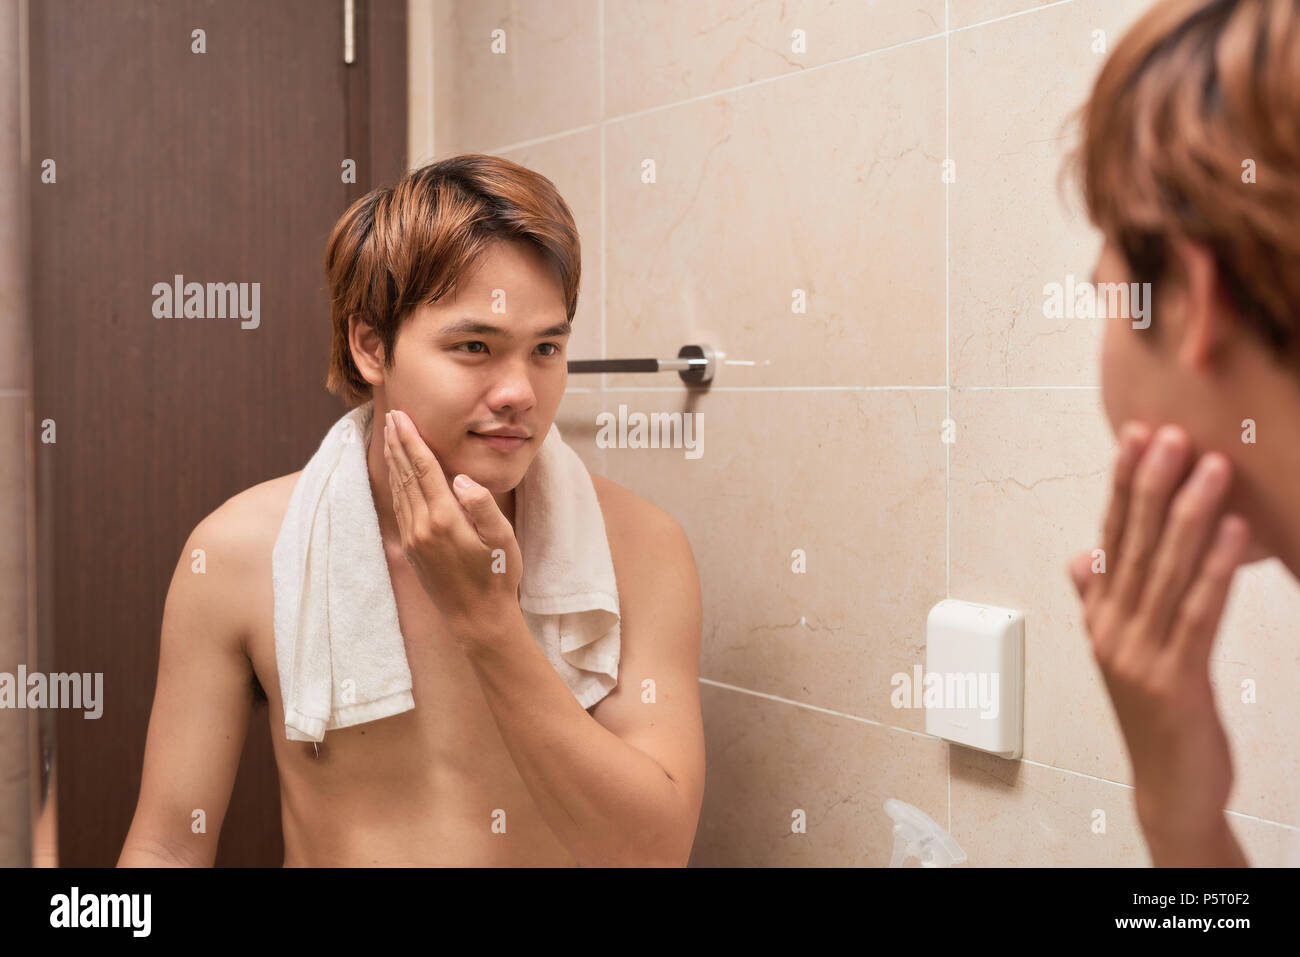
x=476 y=327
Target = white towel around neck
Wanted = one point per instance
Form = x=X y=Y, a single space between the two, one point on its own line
x=338 y=645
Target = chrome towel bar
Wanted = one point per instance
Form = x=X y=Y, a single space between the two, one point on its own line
x=695 y=364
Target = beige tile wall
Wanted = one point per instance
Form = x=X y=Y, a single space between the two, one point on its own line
x=820 y=170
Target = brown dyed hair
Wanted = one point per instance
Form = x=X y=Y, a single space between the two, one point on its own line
x=1193 y=90
x=408 y=244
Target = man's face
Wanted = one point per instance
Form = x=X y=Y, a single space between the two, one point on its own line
x=454 y=380
x=1146 y=378
x=1133 y=371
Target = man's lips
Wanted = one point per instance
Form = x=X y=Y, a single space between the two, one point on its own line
x=503 y=443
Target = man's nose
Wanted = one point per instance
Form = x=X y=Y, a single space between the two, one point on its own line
x=514 y=388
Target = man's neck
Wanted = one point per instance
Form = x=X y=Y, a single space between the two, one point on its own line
x=1267 y=473
x=506 y=502
x=1272 y=485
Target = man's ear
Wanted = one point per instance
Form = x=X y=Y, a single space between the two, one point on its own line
x=367 y=349
x=1207 y=313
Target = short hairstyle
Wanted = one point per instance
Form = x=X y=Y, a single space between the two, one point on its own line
x=412 y=243
x=1191 y=92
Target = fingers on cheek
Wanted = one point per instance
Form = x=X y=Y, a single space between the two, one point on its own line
x=1101 y=645
x=1228 y=545
x=1133 y=448
x=399 y=504
x=1107 y=638
x=1132 y=453
x=392 y=483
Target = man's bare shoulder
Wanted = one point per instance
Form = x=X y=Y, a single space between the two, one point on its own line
x=628 y=514
x=231 y=546
x=645 y=541
x=238 y=536
x=249 y=521
x=263 y=501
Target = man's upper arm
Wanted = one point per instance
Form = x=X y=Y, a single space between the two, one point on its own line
x=660 y=623
x=201 y=704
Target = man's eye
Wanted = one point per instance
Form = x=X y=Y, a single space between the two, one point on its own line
x=475 y=343
x=553 y=346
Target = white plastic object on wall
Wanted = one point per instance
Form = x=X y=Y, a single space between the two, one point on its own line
x=973 y=690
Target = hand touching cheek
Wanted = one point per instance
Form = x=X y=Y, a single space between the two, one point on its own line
x=1170 y=554
x=462 y=548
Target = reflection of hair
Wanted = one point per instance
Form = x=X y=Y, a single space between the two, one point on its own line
x=1191 y=93
x=402 y=246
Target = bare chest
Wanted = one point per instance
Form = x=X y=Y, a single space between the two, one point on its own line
x=420 y=787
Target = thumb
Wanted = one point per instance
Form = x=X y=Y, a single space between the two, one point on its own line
x=481 y=506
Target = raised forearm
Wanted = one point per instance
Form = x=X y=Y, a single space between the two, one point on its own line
x=607 y=802
x=1213 y=846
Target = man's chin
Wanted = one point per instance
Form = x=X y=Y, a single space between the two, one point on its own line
x=498 y=480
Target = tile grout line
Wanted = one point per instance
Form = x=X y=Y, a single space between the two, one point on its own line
x=1012 y=16
x=813 y=707
x=847 y=388
x=947 y=334
x=947 y=308
x=585 y=127
x=921 y=734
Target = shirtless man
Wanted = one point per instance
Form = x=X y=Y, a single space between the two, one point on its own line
x=1189 y=162
x=494 y=727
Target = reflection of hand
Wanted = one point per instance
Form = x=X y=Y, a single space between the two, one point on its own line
x=449 y=536
x=1152 y=617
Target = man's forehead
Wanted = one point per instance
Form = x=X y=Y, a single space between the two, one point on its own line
x=456 y=323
